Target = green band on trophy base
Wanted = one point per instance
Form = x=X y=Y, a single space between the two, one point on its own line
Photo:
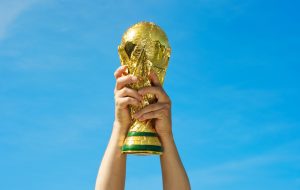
x=147 y=134
x=143 y=149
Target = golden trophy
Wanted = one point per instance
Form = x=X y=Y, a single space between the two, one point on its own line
x=144 y=47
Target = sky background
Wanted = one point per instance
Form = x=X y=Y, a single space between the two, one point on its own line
x=233 y=78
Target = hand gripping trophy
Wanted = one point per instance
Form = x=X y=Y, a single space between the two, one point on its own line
x=144 y=47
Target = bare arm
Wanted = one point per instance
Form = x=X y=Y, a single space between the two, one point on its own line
x=174 y=175
x=112 y=170
x=111 y=175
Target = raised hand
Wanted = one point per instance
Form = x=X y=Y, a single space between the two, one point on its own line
x=124 y=97
x=160 y=111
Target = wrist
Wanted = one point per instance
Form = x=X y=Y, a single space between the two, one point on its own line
x=119 y=128
x=119 y=132
x=166 y=138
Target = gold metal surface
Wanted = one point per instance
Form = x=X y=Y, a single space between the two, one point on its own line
x=144 y=47
x=142 y=140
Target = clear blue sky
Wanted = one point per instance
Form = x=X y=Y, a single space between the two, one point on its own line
x=233 y=78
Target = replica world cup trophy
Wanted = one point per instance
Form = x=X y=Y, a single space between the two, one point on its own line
x=144 y=48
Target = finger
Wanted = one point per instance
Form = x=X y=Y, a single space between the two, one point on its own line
x=154 y=78
x=124 y=80
x=128 y=92
x=150 y=108
x=158 y=114
x=157 y=91
x=118 y=73
x=125 y=101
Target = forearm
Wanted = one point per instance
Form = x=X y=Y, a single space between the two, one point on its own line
x=174 y=175
x=111 y=175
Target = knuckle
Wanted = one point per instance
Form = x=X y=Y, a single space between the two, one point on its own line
x=119 y=79
x=164 y=112
x=127 y=99
x=116 y=73
x=161 y=113
x=120 y=92
x=159 y=88
x=129 y=91
x=118 y=82
x=131 y=100
x=124 y=90
x=167 y=106
x=118 y=102
x=156 y=88
x=168 y=100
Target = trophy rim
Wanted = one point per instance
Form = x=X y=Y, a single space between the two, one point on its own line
x=142 y=153
x=142 y=149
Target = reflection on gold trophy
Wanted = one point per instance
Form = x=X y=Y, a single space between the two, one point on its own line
x=144 y=47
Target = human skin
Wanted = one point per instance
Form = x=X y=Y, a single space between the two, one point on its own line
x=112 y=172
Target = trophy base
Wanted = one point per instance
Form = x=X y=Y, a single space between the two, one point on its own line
x=142 y=149
x=142 y=139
